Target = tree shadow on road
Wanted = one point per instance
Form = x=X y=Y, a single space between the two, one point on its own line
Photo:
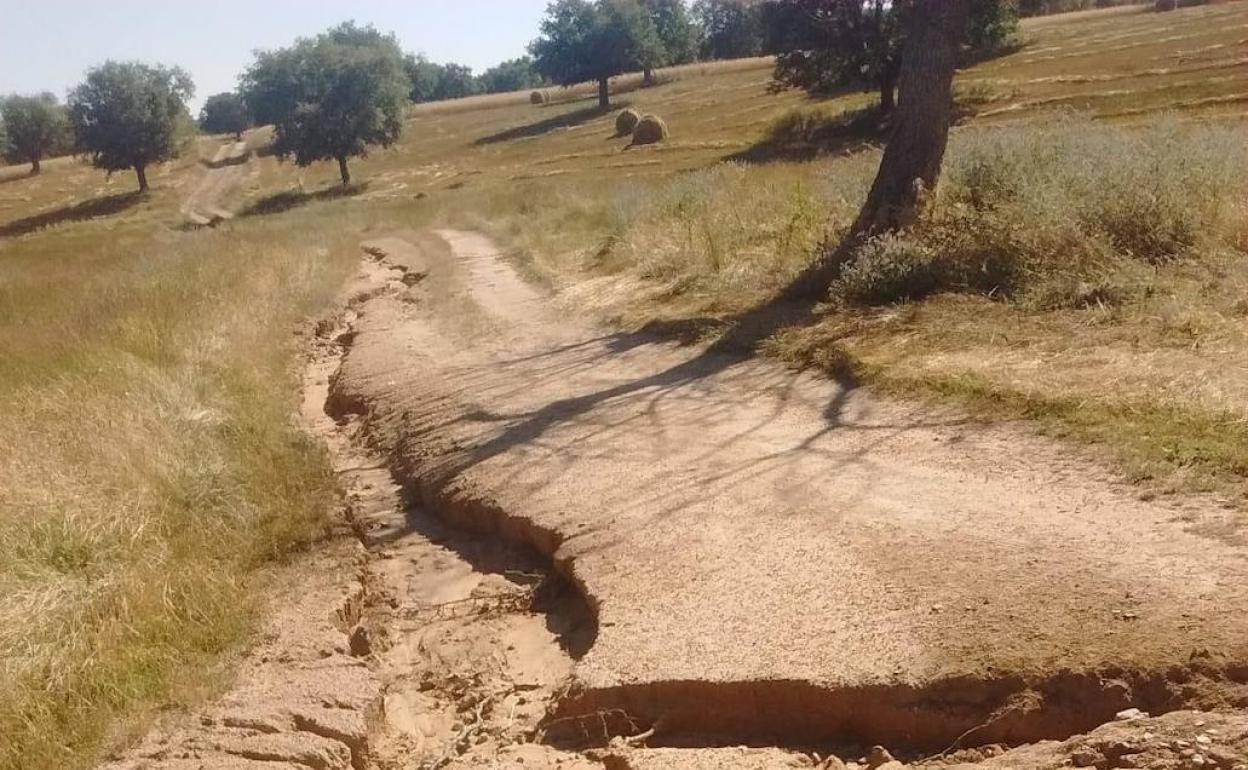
x=78 y=212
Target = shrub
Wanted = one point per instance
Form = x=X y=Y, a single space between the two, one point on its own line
x=626 y=122
x=650 y=129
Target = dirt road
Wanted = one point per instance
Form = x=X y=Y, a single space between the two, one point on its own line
x=771 y=557
x=223 y=174
x=589 y=550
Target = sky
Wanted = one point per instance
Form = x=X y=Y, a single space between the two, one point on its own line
x=47 y=45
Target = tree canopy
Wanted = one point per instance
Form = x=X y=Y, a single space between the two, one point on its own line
x=36 y=127
x=582 y=41
x=130 y=115
x=330 y=97
x=676 y=29
x=513 y=75
x=731 y=29
x=225 y=113
x=826 y=44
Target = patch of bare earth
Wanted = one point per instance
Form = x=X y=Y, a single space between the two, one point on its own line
x=589 y=550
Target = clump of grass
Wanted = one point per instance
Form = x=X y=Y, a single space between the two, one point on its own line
x=150 y=461
x=1070 y=214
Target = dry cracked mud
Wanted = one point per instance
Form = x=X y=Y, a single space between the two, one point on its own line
x=584 y=549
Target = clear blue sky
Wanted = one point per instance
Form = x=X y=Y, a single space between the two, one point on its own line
x=47 y=45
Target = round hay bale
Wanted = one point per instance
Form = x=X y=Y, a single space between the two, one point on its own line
x=650 y=129
x=626 y=121
x=539 y=98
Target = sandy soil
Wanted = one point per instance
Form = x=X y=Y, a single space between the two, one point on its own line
x=771 y=557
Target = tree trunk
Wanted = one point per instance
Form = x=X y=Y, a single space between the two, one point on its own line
x=35 y=168
x=604 y=93
x=910 y=168
x=141 y=172
x=916 y=148
x=342 y=169
x=647 y=77
x=888 y=90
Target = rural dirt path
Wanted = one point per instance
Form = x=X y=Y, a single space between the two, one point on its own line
x=772 y=558
x=227 y=170
x=565 y=548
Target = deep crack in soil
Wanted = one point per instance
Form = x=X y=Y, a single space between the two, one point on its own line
x=416 y=421
x=462 y=633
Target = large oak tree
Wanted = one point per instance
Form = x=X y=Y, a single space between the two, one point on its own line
x=330 y=97
x=130 y=115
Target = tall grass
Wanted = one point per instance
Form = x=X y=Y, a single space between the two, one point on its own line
x=1069 y=213
x=149 y=461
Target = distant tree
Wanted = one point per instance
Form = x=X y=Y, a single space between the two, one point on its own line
x=423 y=78
x=456 y=82
x=677 y=33
x=513 y=75
x=36 y=126
x=731 y=29
x=826 y=44
x=330 y=97
x=130 y=115
x=583 y=41
x=225 y=114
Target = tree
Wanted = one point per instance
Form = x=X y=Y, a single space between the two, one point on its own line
x=910 y=168
x=130 y=115
x=456 y=82
x=916 y=146
x=677 y=33
x=423 y=78
x=36 y=126
x=731 y=29
x=513 y=75
x=826 y=44
x=225 y=114
x=330 y=97
x=583 y=41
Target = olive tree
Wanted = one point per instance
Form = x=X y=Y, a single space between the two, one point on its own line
x=225 y=114
x=330 y=97
x=36 y=126
x=130 y=115
x=582 y=41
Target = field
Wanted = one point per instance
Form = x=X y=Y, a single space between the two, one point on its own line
x=152 y=467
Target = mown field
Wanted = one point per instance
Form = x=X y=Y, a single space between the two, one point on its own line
x=1083 y=268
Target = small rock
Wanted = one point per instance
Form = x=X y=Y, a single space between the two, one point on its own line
x=1086 y=757
x=878 y=757
x=1204 y=740
x=361 y=642
x=1129 y=714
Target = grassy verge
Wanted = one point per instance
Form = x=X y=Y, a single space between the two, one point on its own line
x=149 y=456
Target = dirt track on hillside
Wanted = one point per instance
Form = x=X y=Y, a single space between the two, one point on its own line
x=656 y=555
x=773 y=558
x=229 y=167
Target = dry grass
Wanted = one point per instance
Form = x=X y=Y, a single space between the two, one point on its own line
x=148 y=451
x=146 y=392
